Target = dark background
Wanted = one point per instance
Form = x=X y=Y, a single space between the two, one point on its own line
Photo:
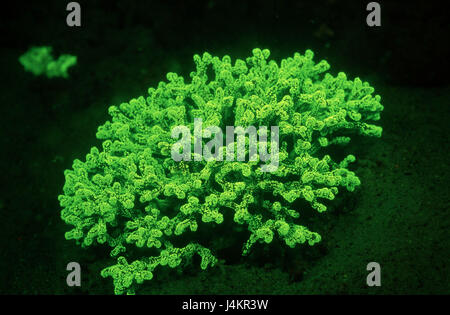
x=399 y=216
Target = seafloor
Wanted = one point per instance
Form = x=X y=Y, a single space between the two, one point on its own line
x=398 y=217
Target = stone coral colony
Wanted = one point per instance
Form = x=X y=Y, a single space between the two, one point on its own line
x=132 y=192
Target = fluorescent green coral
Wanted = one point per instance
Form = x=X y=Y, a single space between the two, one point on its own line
x=131 y=194
x=39 y=60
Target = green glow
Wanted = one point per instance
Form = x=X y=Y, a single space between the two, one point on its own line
x=39 y=60
x=130 y=193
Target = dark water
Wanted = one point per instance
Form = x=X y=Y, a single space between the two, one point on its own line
x=398 y=217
